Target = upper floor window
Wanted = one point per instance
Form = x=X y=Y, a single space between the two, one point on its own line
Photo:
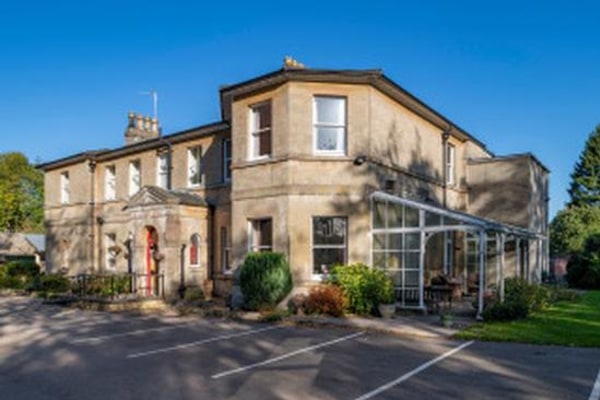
x=65 y=190
x=329 y=121
x=162 y=170
x=450 y=164
x=260 y=130
x=260 y=235
x=135 y=177
x=226 y=148
x=194 y=166
x=110 y=183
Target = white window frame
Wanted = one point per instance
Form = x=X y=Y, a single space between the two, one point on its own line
x=65 y=190
x=313 y=246
x=226 y=167
x=342 y=134
x=194 y=166
x=135 y=176
x=162 y=170
x=256 y=131
x=110 y=259
x=110 y=183
x=450 y=164
x=254 y=230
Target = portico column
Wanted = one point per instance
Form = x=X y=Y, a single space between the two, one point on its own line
x=482 y=250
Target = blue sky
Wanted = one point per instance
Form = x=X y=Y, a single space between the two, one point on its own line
x=520 y=76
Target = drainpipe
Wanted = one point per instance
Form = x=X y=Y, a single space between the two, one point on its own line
x=92 y=204
x=445 y=136
x=181 y=289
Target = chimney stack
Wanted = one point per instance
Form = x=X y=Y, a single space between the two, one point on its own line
x=140 y=128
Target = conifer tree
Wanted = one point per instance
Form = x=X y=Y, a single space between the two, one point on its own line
x=585 y=179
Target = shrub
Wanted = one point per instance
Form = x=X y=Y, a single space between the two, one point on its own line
x=193 y=294
x=365 y=288
x=325 y=299
x=520 y=299
x=265 y=279
x=54 y=283
x=18 y=274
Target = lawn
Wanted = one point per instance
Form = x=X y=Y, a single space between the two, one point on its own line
x=574 y=323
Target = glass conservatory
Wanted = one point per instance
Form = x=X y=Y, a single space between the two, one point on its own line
x=418 y=243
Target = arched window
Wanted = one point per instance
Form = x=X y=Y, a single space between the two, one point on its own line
x=195 y=250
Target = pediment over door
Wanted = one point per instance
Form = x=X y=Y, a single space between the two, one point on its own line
x=153 y=195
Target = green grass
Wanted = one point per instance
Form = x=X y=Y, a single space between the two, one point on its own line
x=567 y=323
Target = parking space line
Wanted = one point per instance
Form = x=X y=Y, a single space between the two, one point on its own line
x=415 y=371
x=204 y=341
x=130 y=333
x=284 y=356
x=595 y=395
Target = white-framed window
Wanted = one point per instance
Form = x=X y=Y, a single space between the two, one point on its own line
x=162 y=170
x=194 y=163
x=65 y=190
x=450 y=164
x=260 y=235
x=329 y=243
x=260 y=130
x=329 y=125
x=195 y=250
x=111 y=250
x=110 y=183
x=226 y=149
x=135 y=177
x=225 y=250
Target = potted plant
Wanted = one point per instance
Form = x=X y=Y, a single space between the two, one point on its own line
x=447 y=317
x=387 y=299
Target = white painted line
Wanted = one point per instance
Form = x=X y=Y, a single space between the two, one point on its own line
x=284 y=356
x=131 y=333
x=595 y=395
x=415 y=371
x=204 y=341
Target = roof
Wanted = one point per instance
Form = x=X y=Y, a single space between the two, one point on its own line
x=18 y=244
x=373 y=77
x=509 y=157
x=463 y=218
x=153 y=195
x=155 y=143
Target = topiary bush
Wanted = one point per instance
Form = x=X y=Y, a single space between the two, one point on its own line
x=365 y=288
x=326 y=300
x=265 y=280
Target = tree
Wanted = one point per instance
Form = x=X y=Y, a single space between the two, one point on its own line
x=21 y=194
x=571 y=227
x=585 y=179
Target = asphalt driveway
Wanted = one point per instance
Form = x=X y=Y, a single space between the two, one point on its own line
x=49 y=352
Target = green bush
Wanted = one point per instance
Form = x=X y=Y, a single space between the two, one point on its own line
x=583 y=269
x=265 y=280
x=54 y=283
x=193 y=294
x=18 y=274
x=364 y=287
x=326 y=300
x=520 y=299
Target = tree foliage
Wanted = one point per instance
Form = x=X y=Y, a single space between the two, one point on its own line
x=21 y=194
x=585 y=179
x=583 y=270
x=571 y=227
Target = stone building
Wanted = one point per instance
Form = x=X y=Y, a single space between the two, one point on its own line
x=326 y=166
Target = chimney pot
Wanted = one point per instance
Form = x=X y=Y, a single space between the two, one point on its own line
x=140 y=122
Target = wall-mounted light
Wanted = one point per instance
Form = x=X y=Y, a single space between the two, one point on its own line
x=360 y=160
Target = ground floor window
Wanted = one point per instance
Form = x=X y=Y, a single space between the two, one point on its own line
x=224 y=240
x=195 y=250
x=329 y=242
x=260 y=235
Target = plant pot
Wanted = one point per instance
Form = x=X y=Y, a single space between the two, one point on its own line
x=447 y=320
x=387 y=311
